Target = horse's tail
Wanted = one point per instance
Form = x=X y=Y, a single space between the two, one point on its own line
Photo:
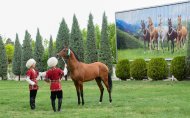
x=110 y=81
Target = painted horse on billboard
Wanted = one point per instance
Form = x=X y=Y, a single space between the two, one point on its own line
x=181 y=33
x=153 y=34
x=162 y=33
x=172 y=35
x=146 y=34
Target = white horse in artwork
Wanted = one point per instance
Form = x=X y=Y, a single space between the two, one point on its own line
x=162 y=33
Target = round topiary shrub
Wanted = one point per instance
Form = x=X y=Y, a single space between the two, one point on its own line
x=123 y=69
x=178 y=68
x=157 y=69
x=138 y=69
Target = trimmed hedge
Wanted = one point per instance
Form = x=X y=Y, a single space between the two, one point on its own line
x=178 y=68
x=123 y=69
x=138 y=69
x=157 y=69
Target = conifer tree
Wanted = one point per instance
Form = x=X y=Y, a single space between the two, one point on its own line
x=105 y=55
x=50 y=48
x=38 y=52
x=16 y=68
x=3 y=60
x=62 y=40
x=26 y=52
x=76 y=41
x=91 y=51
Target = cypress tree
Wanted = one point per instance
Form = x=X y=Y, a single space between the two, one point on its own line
x=76 y=41
x=3 y=60
x=112 y=39
x=26 y=52
x=98 y=36
x=62 y=40
x=39 y=51
x=17 y=58
x=50 y=48
x=105 y=51
x=91 y=52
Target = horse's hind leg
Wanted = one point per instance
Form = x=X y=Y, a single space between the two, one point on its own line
x=98 y=81
x=105 y=80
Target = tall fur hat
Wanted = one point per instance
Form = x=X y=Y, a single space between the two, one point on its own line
x=52 y=62
x=30 y=62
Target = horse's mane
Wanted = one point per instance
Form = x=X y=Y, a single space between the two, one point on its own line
x=75 y=54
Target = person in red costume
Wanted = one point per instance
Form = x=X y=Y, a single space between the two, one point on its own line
x=53 y=76
x=31 y=78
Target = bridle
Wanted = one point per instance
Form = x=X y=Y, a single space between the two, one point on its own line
x=68 y=55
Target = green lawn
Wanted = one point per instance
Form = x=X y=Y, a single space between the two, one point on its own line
x=140 y=53
x=132 y=99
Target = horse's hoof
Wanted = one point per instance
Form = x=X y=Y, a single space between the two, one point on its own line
x=110 y=103
x=100 y=102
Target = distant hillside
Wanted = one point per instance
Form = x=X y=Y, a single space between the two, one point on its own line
x=132 y=29
x=126 y=41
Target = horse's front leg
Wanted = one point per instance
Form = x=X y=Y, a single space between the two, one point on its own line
x=81 y=92
x=150 y=44
x=78 y=91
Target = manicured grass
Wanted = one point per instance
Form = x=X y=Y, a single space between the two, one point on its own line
x=132 y=99
x=140 y=53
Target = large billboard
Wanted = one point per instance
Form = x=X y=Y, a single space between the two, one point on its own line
x=160 y=31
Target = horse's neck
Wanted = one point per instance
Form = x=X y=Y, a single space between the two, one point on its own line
x=151 y=28
x=72 y=62
x=179 y=26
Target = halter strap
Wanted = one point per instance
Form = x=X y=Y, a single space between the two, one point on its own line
x=69 y=52
x=63 y=60
x=171 y=31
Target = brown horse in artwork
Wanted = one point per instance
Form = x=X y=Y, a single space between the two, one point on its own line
x=81 y=72
x=181 y=33
x=153 y=33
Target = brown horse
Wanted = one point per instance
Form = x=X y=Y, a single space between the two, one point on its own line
x=146 y=34
x=153 y=33
x=81 y=72
x=181 y=33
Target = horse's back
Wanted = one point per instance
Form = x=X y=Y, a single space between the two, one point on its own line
x=98 y=65
x=93 y=70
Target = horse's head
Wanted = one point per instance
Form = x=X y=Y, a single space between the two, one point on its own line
x=64 y=53
x=150 y=21
x=179 y=19
x=160 y=20
x=169 y=22
x=142 y=25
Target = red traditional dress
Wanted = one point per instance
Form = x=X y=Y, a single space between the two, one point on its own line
x=33 y=74
x=54 y=75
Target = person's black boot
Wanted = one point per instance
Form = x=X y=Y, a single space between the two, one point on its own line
x=32 y=103
x=53 y=105
x=59 y=104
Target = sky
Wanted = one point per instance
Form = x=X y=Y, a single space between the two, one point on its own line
x=16 y=16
